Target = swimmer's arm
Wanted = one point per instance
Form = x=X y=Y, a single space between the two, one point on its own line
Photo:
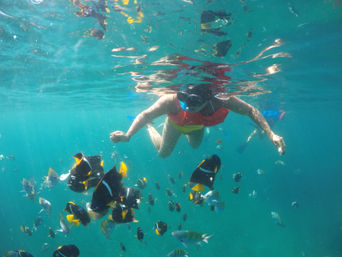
x=162 y=106
x=239 y=106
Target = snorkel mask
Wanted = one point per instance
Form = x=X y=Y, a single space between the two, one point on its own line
x=193 y=96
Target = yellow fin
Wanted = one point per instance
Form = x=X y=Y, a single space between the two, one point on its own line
x=145 y=179
x=123 y=169
x=78 y=161
x=22 y=228
x=101 y=163
x=110 y=217
x=51 y=170
x=198 y=188
x=72 y=220
x=135 y=221
x=157 y=232
x=123 y=214
x=200 y=163
x=191 y=196
x=107 y=10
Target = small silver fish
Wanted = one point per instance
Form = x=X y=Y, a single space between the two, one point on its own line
x=277 y=219
x=153 y=48
x=45 y=204
x=64 y=227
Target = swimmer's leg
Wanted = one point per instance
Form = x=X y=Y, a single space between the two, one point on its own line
x=167 y=142
x=195 y=138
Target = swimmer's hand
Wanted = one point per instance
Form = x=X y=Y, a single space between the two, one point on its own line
x=279 y=143
x=119 y=136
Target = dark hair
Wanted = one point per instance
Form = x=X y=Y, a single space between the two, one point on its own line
x=202 y=90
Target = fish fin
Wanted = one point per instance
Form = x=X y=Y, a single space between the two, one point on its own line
x=135 y=220
x=41 y=210
x=101 y=163
x=22 y=228
x=191 y=196
x=64 y=176
x=157 y=232
x=78 y=158
x=107 y=10
x=198 y=188
x=123 y=170
x=123 y=214
x=72 y=220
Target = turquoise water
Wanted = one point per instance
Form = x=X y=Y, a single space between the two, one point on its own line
x=62 y=92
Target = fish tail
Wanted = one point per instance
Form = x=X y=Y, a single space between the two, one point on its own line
x=206 y=237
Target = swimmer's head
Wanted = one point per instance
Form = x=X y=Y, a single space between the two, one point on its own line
x=194 y=97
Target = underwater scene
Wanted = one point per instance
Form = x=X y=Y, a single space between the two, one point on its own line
x=170 y=128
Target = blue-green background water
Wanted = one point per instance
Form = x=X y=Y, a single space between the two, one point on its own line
x=60 y=94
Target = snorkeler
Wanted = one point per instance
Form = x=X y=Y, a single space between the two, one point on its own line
x=188 y=112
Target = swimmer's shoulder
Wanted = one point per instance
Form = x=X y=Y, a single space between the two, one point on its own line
x=170 y=101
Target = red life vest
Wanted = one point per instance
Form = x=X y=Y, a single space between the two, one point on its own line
x=183 y=118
